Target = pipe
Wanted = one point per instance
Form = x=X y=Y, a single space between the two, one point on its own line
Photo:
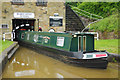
x=38 y=24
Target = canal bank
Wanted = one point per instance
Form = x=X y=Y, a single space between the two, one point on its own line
x=26 y=63
x=113 y=57
x=6 y=55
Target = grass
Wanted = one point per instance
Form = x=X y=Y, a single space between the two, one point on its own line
x=4 y=45
x=109 y=24
x=110 y=45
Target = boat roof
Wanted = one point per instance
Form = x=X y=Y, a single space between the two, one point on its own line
x=85 y=33
x=69 y=33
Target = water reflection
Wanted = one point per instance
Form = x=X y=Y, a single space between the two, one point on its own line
x=29 y=64
x=25 y=73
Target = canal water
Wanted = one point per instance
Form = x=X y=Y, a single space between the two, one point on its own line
x=27 y=63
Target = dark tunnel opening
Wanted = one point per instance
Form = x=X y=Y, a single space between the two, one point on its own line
x=22 y=24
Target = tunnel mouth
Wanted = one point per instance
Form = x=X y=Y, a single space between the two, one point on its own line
x=22 y=24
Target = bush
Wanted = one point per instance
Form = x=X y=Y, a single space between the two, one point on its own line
x=108 y=24
x=103 y=9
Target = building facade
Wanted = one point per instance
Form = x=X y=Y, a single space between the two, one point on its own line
x=32 y=15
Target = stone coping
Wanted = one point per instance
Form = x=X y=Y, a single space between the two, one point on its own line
x=113 y=57
x=8 y=52
x=5 y=52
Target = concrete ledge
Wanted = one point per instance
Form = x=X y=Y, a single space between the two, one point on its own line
x=6 y=51
x=7 y=54
x=0 y=70
x=13 y=51
x=0 y=77
x=113 y=57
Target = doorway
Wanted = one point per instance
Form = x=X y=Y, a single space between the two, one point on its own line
x=82 y=43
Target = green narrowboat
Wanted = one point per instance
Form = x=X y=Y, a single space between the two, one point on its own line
x=73 y=48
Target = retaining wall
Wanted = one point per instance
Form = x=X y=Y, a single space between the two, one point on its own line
x=6 y=55
x=108 y=35
x=113 y=57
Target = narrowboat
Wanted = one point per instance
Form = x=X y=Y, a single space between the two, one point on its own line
x=73 y=48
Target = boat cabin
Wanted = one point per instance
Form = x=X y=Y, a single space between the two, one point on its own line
x=82 y=42
x=77 y=42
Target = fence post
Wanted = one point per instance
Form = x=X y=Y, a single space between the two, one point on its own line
x=3 y=36
x=11 y=36
x=97 y=36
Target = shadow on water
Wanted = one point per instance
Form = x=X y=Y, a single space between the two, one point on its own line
x=29 y=64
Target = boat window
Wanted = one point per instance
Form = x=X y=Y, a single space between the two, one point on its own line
x=84 y=43
x=79 y=43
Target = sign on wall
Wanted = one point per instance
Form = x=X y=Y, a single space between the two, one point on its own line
x=23 y=15
x=56 y=21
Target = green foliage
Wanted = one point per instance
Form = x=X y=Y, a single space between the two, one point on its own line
x=72 y=3
x=99 y=8
x=114 y=60
x=108 y=24
x=86 y=14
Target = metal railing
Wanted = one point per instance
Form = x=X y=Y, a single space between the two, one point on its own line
x=96 y=35
x=90 y=24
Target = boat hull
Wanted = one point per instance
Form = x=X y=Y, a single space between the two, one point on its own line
x=66 y=56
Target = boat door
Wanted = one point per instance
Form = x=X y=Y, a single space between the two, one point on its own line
x=81 y=43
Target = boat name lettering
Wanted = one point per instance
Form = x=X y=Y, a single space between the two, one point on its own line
x=28 y=36
x=46 y=37
x=46 y=40
x=35 y=38
x=40 y=36
x=22 y=36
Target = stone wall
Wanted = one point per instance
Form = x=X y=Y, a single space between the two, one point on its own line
x=41 y=12
x=108 y=35
x=73 y=21
x=0 y=10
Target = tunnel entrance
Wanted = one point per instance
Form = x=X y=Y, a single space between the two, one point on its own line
x=22 y=24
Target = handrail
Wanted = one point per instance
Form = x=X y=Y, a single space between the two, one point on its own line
x=86 y=15
x=90 y=24
x=95 y=33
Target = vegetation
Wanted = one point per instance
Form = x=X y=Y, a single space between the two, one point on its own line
x=0 y=46
x=4 y=45
x=109 y=24
x=110 y=45
x=103 y=9
x=81 y=12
